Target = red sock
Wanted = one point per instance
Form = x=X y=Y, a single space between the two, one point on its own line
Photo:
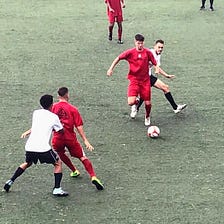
x=67 y=161
x=147 y=110
x=89 y=167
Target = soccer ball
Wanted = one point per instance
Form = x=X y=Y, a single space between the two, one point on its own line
x=153 y=132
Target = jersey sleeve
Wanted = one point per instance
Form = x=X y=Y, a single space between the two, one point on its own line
x=124 y=55
x=57 y=124
x=77 y=118
x=152 y=58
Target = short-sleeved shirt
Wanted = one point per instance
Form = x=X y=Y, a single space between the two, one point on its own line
x=157 y=58
x=116 y=6
x=69 y=117
x=138 y=63
x=43 y=123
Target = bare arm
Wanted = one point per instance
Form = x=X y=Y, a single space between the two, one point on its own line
x=109 y=6
x=122 y=3
x=162 y=72
x=26 y=133
x=110 y=70
x=85 y=140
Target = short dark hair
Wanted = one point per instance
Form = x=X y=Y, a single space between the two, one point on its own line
x=160 y=41
x=46 y=101
x=139 y=37
x=62 y=91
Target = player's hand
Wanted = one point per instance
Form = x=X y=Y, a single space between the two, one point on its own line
x=170 y=76
x=89 y=146
x=109 y=72
x=123 y=5
x=25 y=134
x=111 y=10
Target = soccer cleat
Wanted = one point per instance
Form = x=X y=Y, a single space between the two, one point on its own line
x=133 y=111
x=97 y=183
x=211 y=8
x=202 y=8
x=180 y=108
x=59 y=192
x=147 y=121
x=110 y=37
x=8 y=184
x=76 y=173
x=120 y=42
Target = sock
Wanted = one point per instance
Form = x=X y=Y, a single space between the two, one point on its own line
x=17 y=173
x=211 y=3
x=119 y=32
x=147 y=110
x=67 y=161
x=203 y=3
x=110 y=30
x=89 y=167
x=57 y=179
x=169 y=97
x=140 y=102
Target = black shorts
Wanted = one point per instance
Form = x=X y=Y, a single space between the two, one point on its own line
x=44 y=157
x=153 y=79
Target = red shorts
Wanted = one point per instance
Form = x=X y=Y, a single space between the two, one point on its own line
x=114 y=17
x=142 y=89
x=74 y=147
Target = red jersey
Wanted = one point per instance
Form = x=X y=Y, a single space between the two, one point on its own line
x=69 y=117
x=138 y=63
x=116 y=6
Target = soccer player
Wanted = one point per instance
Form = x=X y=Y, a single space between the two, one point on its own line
x=157 y=83
x=37 y=146
x=115 y=14
x=71 y=118
x=138 y=75
x=203 y=5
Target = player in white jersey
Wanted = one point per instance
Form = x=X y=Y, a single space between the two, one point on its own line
x=155 y=82
x=37 y=146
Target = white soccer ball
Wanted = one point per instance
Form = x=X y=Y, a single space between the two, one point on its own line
x=153 y=132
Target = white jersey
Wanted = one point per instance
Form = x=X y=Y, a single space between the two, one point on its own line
x=157 y=58
x=43 y=123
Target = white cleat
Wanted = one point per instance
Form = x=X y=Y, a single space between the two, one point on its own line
x=180 y=108
x=133 y=111
x=147 y=121
x=59 y=192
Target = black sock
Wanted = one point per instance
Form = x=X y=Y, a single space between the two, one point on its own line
x=140 y=103
x=211 y=3
x=203 y=3
x=169 y=97
x=57 y=178
x=17 y=173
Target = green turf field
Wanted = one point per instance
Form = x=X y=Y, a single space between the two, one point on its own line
x=175 y=179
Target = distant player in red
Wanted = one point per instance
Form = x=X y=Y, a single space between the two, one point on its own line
x=114 y=13
x=70 y=119
x=138 y=75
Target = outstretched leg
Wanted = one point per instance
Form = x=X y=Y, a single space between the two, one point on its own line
x=89 y=168
x=19 y=171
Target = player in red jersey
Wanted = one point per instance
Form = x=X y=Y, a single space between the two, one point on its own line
x=139 y=81
x=70 y=119
x=115 y=14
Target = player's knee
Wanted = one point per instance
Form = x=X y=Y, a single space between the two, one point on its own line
x=83 y=158
x=165 y=88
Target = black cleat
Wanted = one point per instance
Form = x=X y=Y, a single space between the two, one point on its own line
x=120 y=42
x=8 y=184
